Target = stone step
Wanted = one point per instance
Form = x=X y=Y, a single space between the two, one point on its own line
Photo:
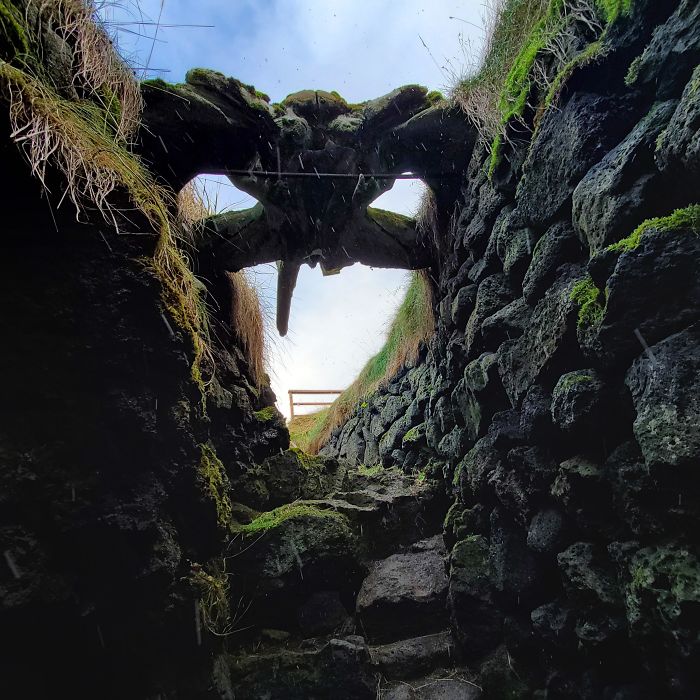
x=404 y=595
x=409 y=658
x=448 y=687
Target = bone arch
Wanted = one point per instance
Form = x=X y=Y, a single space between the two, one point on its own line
x=215 y=124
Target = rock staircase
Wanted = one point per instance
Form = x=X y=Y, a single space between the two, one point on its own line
x=372 y=626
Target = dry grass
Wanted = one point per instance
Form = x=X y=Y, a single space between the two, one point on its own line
x=412 y=326
x=531 y=49
x=246 y=318
x=86 y=143
x=100 y=73
x=247 y=324
x=507 y=25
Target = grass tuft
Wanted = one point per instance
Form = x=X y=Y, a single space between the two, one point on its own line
x=86 y=140
x=532 y=47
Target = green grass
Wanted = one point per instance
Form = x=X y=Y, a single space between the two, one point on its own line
x=516 y=47
x=688 y=218
x=412 y=325
x=274 y=518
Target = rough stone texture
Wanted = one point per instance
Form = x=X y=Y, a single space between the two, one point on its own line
x=573 y=562
x=624 y=188
x=678 y=148
x=585 y=128
x=340 y=668
x=665 y=387
x=573 y=534
x=558 y=245
x=404 y=593
x=409 y=658
x=654 y=291
x=546 y=343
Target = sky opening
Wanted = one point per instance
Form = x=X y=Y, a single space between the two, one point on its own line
x=361 y=48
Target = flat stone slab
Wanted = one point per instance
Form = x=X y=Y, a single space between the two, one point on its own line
x=413 y=657
x=404 y=595
x=433 y=689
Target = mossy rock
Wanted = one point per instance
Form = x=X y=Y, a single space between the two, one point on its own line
x=287 y=539
x=664 y=586
x=317 y=105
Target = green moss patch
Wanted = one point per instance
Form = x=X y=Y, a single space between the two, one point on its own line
x=370 y=471
x=306 y=460
x=688 y=218
x=274 y=518
x=12 y=30
x=266 y=415
x=590 y=300
x=413 y=435
x=212 y=474
x=573 y=379
x=519 y=68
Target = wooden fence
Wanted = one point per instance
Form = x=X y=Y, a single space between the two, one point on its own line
x=302 y=392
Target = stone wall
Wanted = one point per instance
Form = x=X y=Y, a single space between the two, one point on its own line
x=110 y=491
x=559 y=396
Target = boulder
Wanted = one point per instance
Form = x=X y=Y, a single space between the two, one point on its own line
x=322 y=613
x=653 y=292
x=463 y=305
x=665 y=388
x=340 y=668
x=547 y=531
x=668 y=60
x=413 y=657
x=662 y=588
x=625 y=187
x=405 y=594
x=507 y=323
x=479 y=395
x=475 y=618
x=493 y=294
x=589 y=574
x=434 y=688
x=513 y=569
x=678 y=147
x=584 y=128
x=559 y=245
x=548 y=342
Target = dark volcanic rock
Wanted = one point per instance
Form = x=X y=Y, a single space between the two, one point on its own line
x=413 y=657
x=625 y=187
x=678 y=147
x=673 y=52
x=558 y=246
x=404 y=594
x=340 y=669
x=585 y=128
x=665 y=387
x=474 y=616
x=547 y=342
x=653 y=292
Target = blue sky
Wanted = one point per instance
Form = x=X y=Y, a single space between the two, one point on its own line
x=361 y=48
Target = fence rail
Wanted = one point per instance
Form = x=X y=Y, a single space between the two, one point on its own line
x=313 y=392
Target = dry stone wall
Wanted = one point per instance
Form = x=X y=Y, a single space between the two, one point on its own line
x=558 y=399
